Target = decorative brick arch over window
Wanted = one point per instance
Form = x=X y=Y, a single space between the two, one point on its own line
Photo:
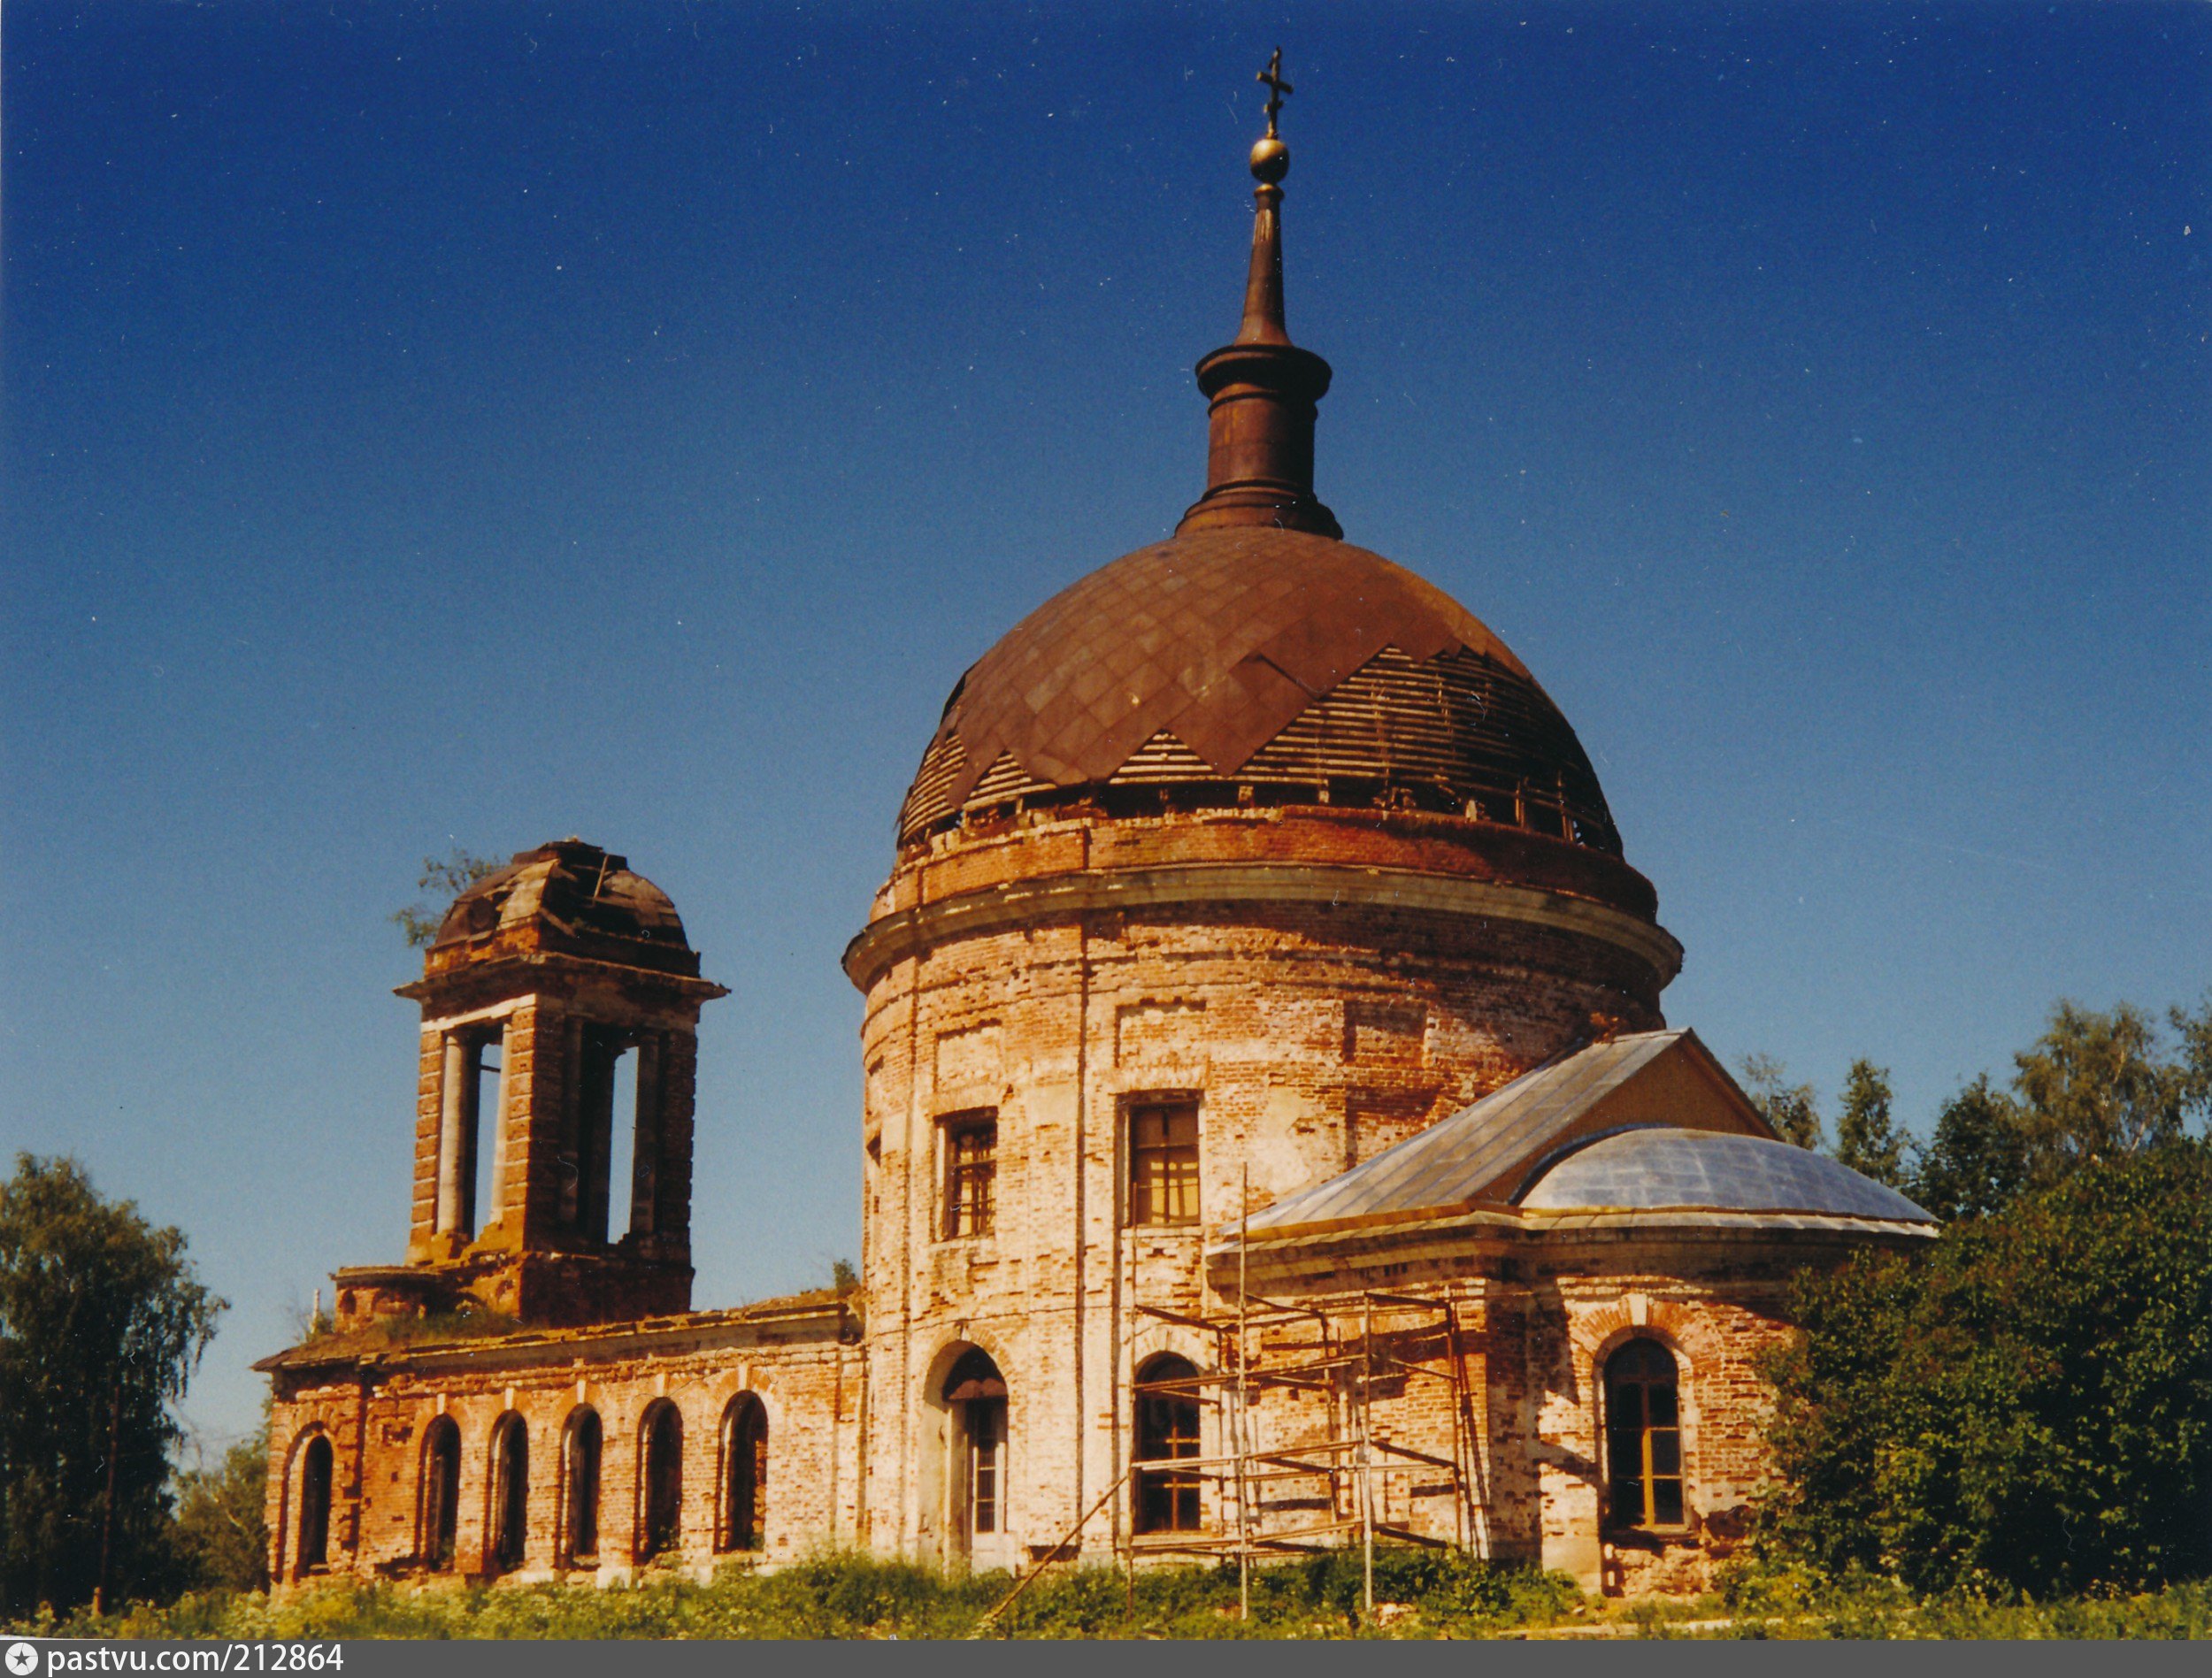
x=1645 y=1483
x=438 y=1513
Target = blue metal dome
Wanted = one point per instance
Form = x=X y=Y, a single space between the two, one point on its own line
x=1653 y=1167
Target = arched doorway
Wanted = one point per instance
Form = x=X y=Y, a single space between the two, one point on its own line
x=660 y=1529
x=511 y=1493
x=439 y=1517
x=580 y=1489
x=744 y=1522
x=312 y=1554
x=974 y=1397
x=1167 y=1409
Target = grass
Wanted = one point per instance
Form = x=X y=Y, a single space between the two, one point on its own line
x=1419 y=1594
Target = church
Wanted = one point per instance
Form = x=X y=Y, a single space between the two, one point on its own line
x=1271 y=1137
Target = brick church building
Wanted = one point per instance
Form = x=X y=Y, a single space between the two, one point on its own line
x=1271 y=1136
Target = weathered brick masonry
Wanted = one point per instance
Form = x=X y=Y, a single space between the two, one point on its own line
x=1264 y=1074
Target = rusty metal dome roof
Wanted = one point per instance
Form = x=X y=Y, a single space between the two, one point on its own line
x=1257 y=665
x=566 y=895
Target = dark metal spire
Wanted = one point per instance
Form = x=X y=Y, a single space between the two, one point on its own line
x=1263 y=389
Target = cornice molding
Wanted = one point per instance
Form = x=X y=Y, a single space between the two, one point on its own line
x=910 y=932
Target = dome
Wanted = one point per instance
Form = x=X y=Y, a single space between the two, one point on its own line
x=1252 y=664
x=569 y=896
x=1652 y=1168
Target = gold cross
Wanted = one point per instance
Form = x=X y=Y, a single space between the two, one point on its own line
x=1276 y=88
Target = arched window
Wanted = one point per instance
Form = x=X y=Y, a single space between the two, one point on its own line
x=315 y=1467
x=440 y=1492
x=511 y=1492
x=579 y=1488
x=663 y=1482
x=744 y=1522
x=1167 y=1430
x=1643 y=1435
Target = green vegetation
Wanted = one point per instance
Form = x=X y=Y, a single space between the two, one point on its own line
x=444 y=881
x=2027 y=1408
x=222 y=1529
x=2096 y=1085
x=1419 y=1594
x=1768 y=1598
x=102 y=1322
x=1867 y=1138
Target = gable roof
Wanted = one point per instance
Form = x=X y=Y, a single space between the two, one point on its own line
x=1486 y=1152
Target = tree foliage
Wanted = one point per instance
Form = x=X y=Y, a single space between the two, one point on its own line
x=2029 y=1403
x=1978 y=1158
x=2097 y=1085
x=102 y=1322
x=444 y=881
x=1867 y=1138
x=2093 y=1086
x=222 y=1529
x=1789 y=1108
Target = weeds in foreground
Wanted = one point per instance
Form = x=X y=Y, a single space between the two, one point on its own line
x=1419 y=1594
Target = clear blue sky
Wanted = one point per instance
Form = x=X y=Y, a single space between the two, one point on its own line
x=477 y=423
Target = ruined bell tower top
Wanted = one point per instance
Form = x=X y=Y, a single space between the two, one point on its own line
x=564 y=898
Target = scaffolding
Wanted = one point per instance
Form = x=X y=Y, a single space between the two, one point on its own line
x=1339 y=1358
x=1338 y=1352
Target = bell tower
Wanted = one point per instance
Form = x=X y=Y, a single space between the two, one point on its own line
x=553 y=1137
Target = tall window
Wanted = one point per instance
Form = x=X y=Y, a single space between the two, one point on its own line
x=440 y=1492
x=511 y=1493
x=744 y=1474
x=987 y=1433
x=975 y=1393
x=580 y=1489
x=315 y=1468
x=1643 y=1435
x=970 y=1172
x=1167 y=1431
x=663 y=1477
x=1164 y=1162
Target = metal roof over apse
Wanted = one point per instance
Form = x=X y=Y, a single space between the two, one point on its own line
x=1651 y=1166
x=1221 y=639
x=1453 y=1161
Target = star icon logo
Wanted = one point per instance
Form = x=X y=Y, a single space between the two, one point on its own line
x=22 y=1659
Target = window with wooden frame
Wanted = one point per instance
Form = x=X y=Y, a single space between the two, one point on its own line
x=970 y=1143
x=1164 y=1162
x=1643 y=1435
x=1167 y=1431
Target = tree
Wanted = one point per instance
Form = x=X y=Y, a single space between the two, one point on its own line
x=2029 y=1403
x=2193 y=1077
x=1867 y=1139
x=1978 y=1158
x=102 y=1321
x=1789 y=1108
x=2095 y=1086
x=222 y=1529
x=444 y=881
x=843 y=1276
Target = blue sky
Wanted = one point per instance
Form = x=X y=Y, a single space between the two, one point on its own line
x=473 y=424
